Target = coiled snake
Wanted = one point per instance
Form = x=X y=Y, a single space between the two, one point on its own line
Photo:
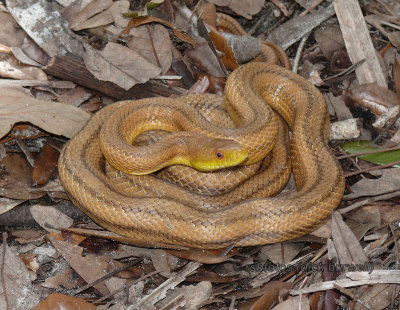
x=238 y=213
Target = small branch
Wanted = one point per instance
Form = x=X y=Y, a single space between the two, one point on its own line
x=312 y=7
x=299 y=52
x=368 y=200
x=349 y=174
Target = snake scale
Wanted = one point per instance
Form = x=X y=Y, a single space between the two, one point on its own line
x=153 y=211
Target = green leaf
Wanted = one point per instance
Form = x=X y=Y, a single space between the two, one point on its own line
x=153 y=4
x=367 y=146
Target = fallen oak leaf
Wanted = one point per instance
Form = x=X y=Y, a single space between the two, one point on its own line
x=54 y=117
x=151 y=19
x=120 y=65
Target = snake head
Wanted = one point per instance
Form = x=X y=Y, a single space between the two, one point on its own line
x=213 y=154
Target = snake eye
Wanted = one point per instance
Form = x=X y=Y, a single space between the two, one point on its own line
x=219 y=155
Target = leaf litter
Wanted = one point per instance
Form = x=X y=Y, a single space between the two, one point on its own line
x=82 y=266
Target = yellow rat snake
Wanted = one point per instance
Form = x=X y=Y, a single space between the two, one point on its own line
x=182 y=207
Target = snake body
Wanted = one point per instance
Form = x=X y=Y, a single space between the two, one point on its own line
x=162 y=213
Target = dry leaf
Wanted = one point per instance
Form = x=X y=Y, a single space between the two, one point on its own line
x=281 y=253
x=15 y=178
x=11 y=34
x=245 y=8
x=45 y=164
x=149 y=39
x=204 y=58
x=93 y=8
x=187 y=297
x=329 y=40
x=371 y=97
x=11 y=69
x=116 y=11
x=152 y=19
x=294 y=303
x=389 y=181
x=120 y=65
x=50 y=218
x=200 y=87
x=65 y=302
x=89 y=267
x=221 y=44
x=348 y=248
x=17 y=281
x=6 y=204
x=377 y=297
x=57 y=118
x=75 y=96
x=205 y=256
x=271 y=293
x=45 y=26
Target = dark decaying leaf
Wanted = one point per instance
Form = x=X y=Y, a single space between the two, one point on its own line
x=45 y=164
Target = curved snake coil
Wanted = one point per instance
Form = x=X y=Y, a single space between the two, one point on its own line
x=178 y=219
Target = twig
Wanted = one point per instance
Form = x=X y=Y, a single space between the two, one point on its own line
x=396 y=246
x=368 y=152
x=3 y=260
x=312 y=7
x=368 y=200
x=346 y=71
x=299 y=52
x=122 y=288
x=34 y=83
x=349 y=174
x=173 y=281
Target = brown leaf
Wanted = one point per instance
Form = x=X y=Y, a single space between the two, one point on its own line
x=371 y=97
x=89 y=267
x=11 y=34
x=120 y=65
x=7 y=204
x=15 y=178
x=50 y=218
x=221 y=44
x=377 y=297
x=205 y=256
x=348 y=248
x=204 y=58
x=281 y=253
x=45 y=164
x=152 y=42
x=294 y=303
x=17 y=280
x=57 y=301
x=152 y=19
x=10 y=68
x=362 y=220
x=200 y=87
x=329 y=40
x=394 y=38
x=273 y=290
x=208 y=13
x=389 y=180
x=245 y=8
x=93 y=8
x=58 y=118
